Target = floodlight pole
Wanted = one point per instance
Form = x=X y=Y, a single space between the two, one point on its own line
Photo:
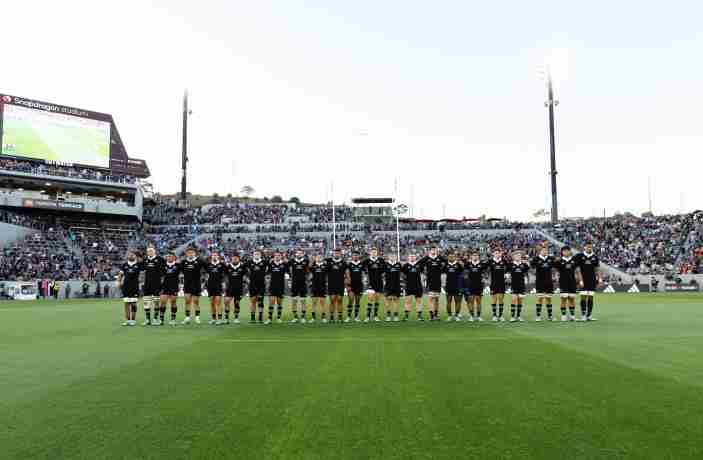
x=334 y=219
x=397 y=220
x=184 y=157
x=551 y=103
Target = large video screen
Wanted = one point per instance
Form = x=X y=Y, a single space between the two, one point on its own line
x=51 y=136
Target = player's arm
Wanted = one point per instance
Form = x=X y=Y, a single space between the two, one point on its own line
x=120 y=278
x=598 y=273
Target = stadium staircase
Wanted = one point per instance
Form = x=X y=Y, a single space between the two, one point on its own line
x=181 y=249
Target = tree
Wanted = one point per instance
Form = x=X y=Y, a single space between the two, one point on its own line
x=247 y=190
x=276 y=199
x=295 y=200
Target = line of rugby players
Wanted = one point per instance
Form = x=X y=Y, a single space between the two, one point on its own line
x=334 y=276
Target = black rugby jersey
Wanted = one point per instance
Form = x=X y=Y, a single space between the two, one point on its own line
x=191 y=269
x=356 y=273
x=497 y=269
x=375 y=269
x=257 y=270
x=130 y=276
x=518 y=273
x=544 y=267
x=474 y=274
x=234 y=274
x=172 y=273
x=452 y=273
x=299 y=269
x=336 y=270
x=588 y=264
x=153 y=271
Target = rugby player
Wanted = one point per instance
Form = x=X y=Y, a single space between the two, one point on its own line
x=566 y=266
x=153 y=266
x=392 y=270
x=356 y=287
x=375 y=267
x=496 y=267
x=192 y=267
x=319 y=286
x=452 y=272
x=215 y=273
x=519 y=270
x=336 y=279
x=169 y=286
x=544 y=282
x=299 y=268
x=474 y=285
x=234 y=271
x=277 y=285
x=413 y=286
x=257 y=269
x=433 y=264
x=128 y=282
x=589 y=279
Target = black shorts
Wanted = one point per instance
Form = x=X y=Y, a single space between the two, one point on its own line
x=336 y=290
x=234 y=293
x=256 y=290
x=357 y=289
x=276 y=291
x=589 y=285
x=497 y=289
x=319 y=290
x=169 y=290
x=434 y=288
x=130 y=292
x=544 y=288
x=152 y=290
x=214 y=291
x=476 y=291
x=567 y=288
x=414 y=291
x=376 y=285
x=299 y=290
x=393 y=291
x=519 y=290
x=195 y=290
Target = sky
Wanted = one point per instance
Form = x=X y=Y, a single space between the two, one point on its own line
x=447 y=97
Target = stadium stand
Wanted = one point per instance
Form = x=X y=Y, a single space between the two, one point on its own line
x=641 y=245
x=91 y=248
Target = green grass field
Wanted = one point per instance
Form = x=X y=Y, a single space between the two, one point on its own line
x=75 y=384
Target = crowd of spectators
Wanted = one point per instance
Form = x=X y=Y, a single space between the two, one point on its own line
x=22 y=220
x=76 y=172
x=652 y=245
x=39 y=255
x=655 y=245
x=386 y=243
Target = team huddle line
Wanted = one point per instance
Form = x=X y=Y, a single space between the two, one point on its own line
x=380 y=278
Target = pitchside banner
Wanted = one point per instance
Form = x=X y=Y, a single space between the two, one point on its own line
x=677 y=287
x=49 y=204
x=604 y=289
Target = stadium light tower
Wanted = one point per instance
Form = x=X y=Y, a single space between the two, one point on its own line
x=550 y=104
x=184 y=157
